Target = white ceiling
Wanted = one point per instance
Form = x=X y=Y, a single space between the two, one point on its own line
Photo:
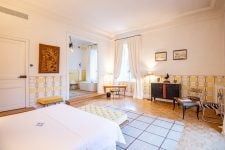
x=118 y=16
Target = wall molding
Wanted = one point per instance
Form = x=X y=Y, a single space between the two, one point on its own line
x=31 y=9
x=200 y=17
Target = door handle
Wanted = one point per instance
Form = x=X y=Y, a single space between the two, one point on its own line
x=22 y=76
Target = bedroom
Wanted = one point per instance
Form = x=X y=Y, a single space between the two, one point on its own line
x=197 y=26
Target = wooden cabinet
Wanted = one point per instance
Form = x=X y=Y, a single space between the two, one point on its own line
x=165 y=90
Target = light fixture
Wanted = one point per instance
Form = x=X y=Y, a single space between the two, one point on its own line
x=71 y=45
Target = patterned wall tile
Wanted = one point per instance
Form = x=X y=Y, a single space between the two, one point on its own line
x=205 y=83
x=46 y=86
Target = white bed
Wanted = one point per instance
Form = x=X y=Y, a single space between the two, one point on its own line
x=58 y=127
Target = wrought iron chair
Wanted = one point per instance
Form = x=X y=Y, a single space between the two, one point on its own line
x=115 y=91
x=217 y=106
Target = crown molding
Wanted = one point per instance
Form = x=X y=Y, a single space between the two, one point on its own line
x=168 y=19
x=203 y=16
x=185 y=20
x=33 y=10
x=195 y=16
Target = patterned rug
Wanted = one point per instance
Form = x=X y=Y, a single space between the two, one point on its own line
x=78 y=93
x=148 y=132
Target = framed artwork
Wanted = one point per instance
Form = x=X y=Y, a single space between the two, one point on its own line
x=180 y=54
x=48 y=58
x=160 y=56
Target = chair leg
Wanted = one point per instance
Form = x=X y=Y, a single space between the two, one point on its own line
x=173 y=104
x=184 y=109
x=206 y=120
x=197 y=112
x=203 y=114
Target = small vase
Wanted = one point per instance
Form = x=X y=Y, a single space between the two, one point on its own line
x=158 y=79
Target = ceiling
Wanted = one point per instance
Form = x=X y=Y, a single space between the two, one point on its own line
x=114 y=17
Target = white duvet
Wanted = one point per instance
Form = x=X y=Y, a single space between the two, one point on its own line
x=58 y=127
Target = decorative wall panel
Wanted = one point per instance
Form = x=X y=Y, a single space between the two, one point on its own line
x=205 y=83
x=46 y=86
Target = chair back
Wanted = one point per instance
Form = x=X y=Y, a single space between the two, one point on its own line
x=195 y=94
x=221 y=99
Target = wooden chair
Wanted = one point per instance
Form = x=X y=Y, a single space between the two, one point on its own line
x=192 y=100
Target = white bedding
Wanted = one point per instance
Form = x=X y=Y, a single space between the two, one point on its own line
x=58 y=127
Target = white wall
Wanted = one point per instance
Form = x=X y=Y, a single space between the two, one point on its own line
x=204 y=41
x=85 y=58
x=40 y=29
x=75 y=58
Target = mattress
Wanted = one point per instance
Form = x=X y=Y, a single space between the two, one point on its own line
x=113 y=115
x=58 y=127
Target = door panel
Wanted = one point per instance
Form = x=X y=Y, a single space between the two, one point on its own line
x=157 y=90
x=12 y=65
x=173 y=90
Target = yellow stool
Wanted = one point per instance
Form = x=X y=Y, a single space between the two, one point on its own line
x=50 y=100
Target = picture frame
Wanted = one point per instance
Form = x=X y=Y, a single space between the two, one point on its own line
x=180 y=54
x=161 y=56
x=48 y=58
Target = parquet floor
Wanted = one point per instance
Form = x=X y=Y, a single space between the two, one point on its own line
x=16 y=111
x=198 y=135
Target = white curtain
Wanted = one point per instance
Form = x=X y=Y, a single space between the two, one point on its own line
x=125 y=67
x=118 y=59
x=88 y=53
x=92 y=73
x=134 y=48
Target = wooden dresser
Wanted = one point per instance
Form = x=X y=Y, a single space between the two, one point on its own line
x=165 y=90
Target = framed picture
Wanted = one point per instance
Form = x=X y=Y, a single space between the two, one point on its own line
x=180 y=54
x=48 y=58
x=160 y=56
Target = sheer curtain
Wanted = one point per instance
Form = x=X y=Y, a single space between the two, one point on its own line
x=93 y=63
x=118 y=59
x=134 y=48
x=125 y=67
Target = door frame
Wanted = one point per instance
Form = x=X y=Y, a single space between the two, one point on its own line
x=93 y=40
x=27 y=47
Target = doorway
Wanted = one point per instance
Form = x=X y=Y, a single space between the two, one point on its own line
x=12 y=74
x=83 y=67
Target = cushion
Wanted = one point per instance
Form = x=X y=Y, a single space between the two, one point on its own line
x=113 y=115
x=50 y=100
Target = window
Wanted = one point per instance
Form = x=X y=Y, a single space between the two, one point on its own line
x=125 y=73
x=93 y=65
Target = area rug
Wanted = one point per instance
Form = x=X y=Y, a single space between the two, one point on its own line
x=148 y=132
x=79 y=93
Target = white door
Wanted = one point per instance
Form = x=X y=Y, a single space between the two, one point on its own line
x=12 y=66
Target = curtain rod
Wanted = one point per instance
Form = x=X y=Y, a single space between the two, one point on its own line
x=128 y=37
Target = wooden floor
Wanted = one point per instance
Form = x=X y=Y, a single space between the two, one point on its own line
x=16 y=111
x=84 y=98
x=198 y=135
